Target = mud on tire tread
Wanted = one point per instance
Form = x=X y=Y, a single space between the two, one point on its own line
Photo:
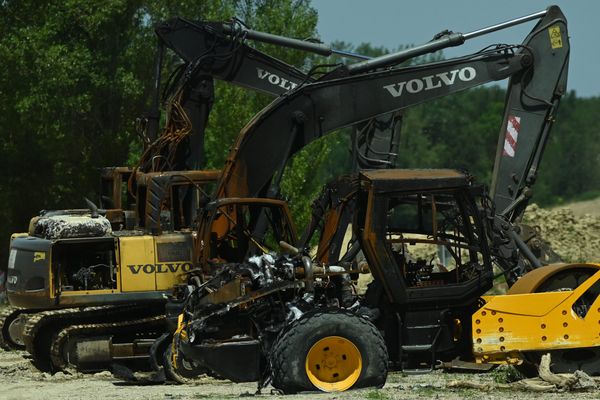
x=289 y=352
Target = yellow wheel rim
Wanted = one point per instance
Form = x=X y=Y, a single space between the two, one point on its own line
x=333 y=364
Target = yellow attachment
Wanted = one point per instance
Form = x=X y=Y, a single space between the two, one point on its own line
x=510 y=324
x=531 y=282
x=333 y=364
x=180 y=331
x=179 y=334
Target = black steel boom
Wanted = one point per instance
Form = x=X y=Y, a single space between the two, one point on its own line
x=537 y=69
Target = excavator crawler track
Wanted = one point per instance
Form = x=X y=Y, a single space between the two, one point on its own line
x=61 y=351
x=44 y=328
x=8 y=316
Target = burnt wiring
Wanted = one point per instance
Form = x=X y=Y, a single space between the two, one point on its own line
x=177 y=127
x=162 y=153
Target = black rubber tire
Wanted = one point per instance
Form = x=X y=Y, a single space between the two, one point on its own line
x=183 y=372
x=289 y=353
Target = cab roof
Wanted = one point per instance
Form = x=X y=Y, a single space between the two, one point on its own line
x=392 y=180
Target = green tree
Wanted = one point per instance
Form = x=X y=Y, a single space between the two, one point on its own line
x=570 y=167
x=76 y=74
x=234 y=107
x=71 y=82
x=458 y=131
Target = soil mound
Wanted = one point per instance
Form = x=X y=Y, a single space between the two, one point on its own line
x=575 y=239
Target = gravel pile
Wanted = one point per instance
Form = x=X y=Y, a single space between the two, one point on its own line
x=575 y=239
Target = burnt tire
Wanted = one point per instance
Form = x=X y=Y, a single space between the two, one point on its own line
x=177 y=369
x=290 y=356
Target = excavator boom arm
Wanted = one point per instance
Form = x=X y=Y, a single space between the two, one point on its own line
x=210 y=49
x=219 y=50
x=295 y=120
x=531 y=105
x=537 y=69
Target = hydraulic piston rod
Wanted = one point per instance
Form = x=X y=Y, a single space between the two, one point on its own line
x=317 y=48
x=448 y=40
x=504 y=25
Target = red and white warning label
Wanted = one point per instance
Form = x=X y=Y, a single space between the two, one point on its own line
x=512 y=134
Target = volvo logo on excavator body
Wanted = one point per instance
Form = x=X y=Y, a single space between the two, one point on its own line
x=275 y=80
x=160 y=268
x=430 y=82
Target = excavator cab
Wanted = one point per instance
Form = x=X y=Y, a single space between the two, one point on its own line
x=427 y=225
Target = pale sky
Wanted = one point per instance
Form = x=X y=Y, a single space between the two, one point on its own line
x=391 y=23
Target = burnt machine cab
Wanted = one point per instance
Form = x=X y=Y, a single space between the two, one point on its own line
x=114 y=193
x=421 y=229
x=424 y=240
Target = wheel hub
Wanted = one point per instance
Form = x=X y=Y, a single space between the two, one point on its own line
x=330 y=362
x=333 y=364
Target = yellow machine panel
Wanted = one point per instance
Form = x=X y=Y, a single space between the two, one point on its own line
x=173 y=258
x=136 y=263
x=510 y=324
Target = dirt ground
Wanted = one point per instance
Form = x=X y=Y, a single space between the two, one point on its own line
x=20 y=380
x=582 y=208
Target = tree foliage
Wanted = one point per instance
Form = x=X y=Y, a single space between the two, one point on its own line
x=570 y=169
x=73 y=73
x=76 y=74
